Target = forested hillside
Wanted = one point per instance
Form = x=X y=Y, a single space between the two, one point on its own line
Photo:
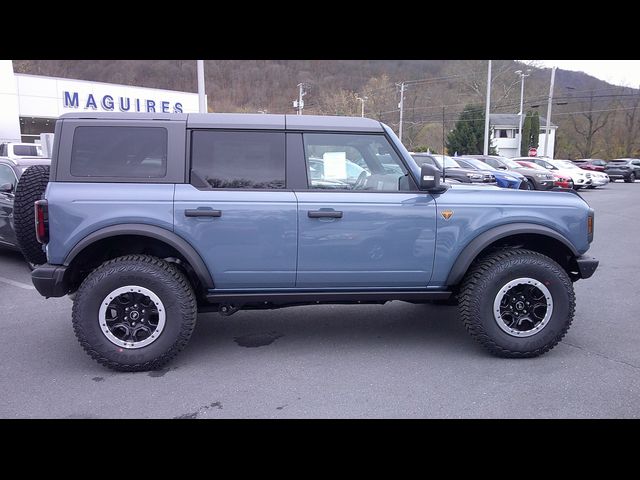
x=595 y=119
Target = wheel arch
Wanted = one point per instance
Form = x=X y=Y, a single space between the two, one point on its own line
x=532 y=236
x=123 y=239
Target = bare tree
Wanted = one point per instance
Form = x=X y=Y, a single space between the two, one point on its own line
x=632 y=125
x=587 y=123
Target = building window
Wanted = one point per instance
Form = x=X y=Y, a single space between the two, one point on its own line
x=506 y=133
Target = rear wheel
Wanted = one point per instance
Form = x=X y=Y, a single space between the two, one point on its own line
x=30 y=188
x=517 y=303
x=134 y=313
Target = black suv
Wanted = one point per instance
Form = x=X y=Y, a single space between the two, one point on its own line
x=627 y=169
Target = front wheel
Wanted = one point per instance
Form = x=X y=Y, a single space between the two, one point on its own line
x=134 y=313
x=631 y=178
x=525 y=185
x=517 y=303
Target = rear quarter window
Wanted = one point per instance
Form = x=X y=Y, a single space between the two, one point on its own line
x=127 y=152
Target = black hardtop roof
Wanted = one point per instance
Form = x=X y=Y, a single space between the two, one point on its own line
x=252 y=121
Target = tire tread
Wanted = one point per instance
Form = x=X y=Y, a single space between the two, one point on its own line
x=185 y=299
x=478 y=274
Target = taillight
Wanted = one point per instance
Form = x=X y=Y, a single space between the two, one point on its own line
x=42 y=221
x=590 y=225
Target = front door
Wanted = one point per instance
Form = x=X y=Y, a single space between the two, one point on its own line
x=237 y=212
x=361 y=223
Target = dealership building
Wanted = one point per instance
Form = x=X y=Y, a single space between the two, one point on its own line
x=31 y=104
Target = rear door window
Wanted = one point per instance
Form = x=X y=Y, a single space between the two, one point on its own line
x=127 y=152
x=238 y=159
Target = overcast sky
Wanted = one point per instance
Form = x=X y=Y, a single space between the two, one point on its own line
x=616 y=72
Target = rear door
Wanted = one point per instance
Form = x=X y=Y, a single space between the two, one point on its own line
x=373 y=229
x=237 y=211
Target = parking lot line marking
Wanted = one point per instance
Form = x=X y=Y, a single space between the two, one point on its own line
x=17 y=284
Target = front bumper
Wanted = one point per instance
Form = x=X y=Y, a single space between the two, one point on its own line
x=615 y=174
x=50 y=280
x=545 y=184
x=586 y=265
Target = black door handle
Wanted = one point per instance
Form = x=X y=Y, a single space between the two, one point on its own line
x=202 y=212
x=324 y=214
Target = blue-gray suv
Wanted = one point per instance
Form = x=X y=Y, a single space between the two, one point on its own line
x=148 y=219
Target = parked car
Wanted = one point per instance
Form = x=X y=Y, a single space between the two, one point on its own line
x=453 y=170
x=627 y=169
x=148 y=219
x=537 y=179
x=580 y=178
x=10 y=172
x=559 y=180
x=595 y=164
x=598 y=179
x=503 y=179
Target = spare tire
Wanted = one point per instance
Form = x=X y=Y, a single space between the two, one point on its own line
x=30 y=188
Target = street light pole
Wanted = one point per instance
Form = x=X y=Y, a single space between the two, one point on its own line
x=486 y=113
x=201 y=93
x=401 y=106
x=301 y=93
x=522 y=75
x=546 y=133
x=362 y=100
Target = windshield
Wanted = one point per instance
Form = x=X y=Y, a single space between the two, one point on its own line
x=535 y=166
x=567 y=164
x=478 y=164
x=448 y=161
x=510 y=163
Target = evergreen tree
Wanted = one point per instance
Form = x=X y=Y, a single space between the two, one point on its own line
x=526 y=135
x=467 y=138
x=535 y=130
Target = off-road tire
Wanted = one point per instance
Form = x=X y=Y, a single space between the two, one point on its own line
x=30 y=188
x=482 y=284
x=164 y=280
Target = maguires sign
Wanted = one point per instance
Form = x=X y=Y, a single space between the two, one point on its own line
x=110 y=103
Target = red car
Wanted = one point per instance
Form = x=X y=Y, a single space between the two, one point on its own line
x=558 y=180
x=591 y=164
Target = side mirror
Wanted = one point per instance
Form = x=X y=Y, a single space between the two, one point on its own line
x=502 y=167
x=430 y=179
x=6 y=188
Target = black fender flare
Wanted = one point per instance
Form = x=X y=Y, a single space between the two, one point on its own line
x=482 y=241
x=152 y=231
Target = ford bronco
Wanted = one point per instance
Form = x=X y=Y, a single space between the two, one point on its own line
x=147 y=219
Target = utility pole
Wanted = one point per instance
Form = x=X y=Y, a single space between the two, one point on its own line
x=299 y=104
x=546 y=133
x=401 y=107
x=522 y=76
x=201 y=92
x=362 y=100
x=486 y=112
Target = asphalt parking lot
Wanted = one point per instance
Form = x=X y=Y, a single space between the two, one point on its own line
x=393 y=361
